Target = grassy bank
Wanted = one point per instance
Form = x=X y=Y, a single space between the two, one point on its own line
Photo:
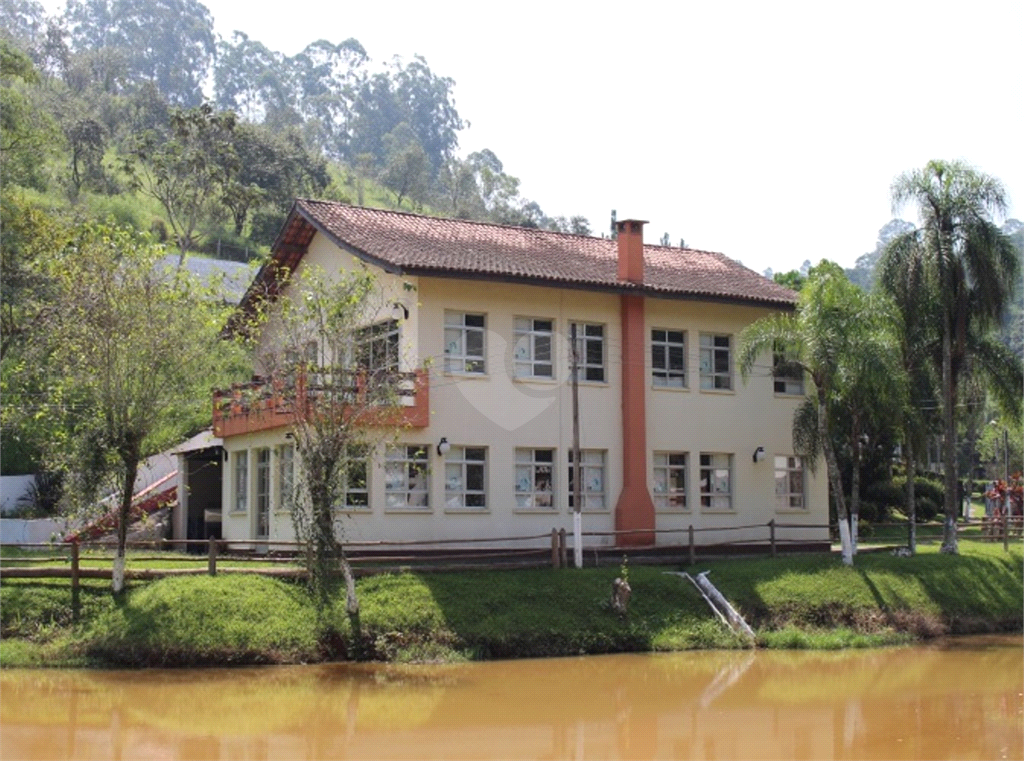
x=801 y=601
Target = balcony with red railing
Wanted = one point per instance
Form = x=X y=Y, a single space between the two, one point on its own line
x=263 y=404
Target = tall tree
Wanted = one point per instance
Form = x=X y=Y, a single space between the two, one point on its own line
x=189 y=170
x=974 y=270
x=137 y=346
x=827 y=338
x=328 y=345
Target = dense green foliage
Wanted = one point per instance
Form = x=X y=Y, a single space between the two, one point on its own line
x=792 y=601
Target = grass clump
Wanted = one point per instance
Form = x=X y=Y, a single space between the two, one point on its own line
x=202 y=619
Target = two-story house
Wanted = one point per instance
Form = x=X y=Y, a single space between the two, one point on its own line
x=670 y=436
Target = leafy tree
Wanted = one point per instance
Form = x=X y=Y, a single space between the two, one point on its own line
x=973 y=269
x=828 y=338
x=254 y=81
x=863 y=272
x=28 y=133
x=167 y=42
x=407 y=170
x=314 y=349
x=189 y=171
x=137 y=347
x=792 y=279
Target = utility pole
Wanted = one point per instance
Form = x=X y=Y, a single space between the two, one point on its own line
x=577 y=519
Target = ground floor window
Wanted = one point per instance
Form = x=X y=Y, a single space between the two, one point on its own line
x=716 y=481
x=670 y=480
x=241 y=471
x=789 y=483
x=535 y=478
x=591 y=479
x=355 y=479
x=285 y=476
x=262 y=493
x=465 y=477
x=406 y=476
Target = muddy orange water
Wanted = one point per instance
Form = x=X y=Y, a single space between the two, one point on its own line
x=960 y=699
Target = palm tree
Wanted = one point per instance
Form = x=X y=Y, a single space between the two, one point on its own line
x=902 y=276
x=832 y=337
x=972 y=267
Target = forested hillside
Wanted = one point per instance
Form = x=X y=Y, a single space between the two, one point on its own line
x=136 y=109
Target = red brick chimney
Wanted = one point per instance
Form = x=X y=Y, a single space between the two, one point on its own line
x=634 y=511
x=630 y=234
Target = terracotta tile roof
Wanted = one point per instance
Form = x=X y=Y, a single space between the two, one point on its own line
x=415 y=244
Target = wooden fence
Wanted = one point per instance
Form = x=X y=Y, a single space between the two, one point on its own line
x=382 y=556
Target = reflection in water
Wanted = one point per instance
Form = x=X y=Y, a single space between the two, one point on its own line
x=929 y=702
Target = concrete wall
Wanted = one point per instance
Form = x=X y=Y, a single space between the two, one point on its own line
x=18 y=531
x=12 y=489
x=498 y=411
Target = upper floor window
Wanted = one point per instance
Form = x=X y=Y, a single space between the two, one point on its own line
x=377 y=347
x=406 y=476
x=788 y=378
x=590 y=354
x=534 y=350
x=670 y=480
x=535 y=478
x=465 y=477
x=668 y=358
x=715 y=361
x=716 y=481
x=789 y=483
x=464 y=343
x=591 y=479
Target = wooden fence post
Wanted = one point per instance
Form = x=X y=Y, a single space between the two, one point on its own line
x=563 y=553
x=1006 y=529
x=771 y=527
x=554 y=548
x=693 y=550
x=75 y=599
x=212 y=563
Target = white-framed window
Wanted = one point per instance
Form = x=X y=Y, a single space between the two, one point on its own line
x=716 y=481
x=534 y=350
x=241 y=470
x=591 y=479
x=377 y=347
x=789 y=483
x=670 y=480
x=262 y=492
x=465 y=477
x=715 y=361
x=590 y=354
x=285 y=476
x=535 y=478
x=407 y=476
x=464 y=342
x=787 y=378
x=355 y=492
x=668 y=358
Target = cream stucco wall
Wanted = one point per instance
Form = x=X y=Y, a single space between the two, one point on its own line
x=499 y=412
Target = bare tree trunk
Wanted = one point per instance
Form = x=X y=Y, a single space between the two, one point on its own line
x=835 y=480
x=855 y=490
x=908 y=462
x=131 y=468
x=949 y=539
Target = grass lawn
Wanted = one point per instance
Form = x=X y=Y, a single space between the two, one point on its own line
x=791 y=601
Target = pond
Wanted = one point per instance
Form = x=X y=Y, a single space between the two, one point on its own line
x=957 y=698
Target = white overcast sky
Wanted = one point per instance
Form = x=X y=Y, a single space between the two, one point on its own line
x=769 y=131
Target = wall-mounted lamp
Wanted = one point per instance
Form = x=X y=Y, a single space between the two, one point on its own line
x=289 y=435
x=759 y=454
x=227 y=455
x=443 y=446
x=398 y=305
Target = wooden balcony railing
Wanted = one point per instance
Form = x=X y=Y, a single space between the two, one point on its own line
x=263 y=404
